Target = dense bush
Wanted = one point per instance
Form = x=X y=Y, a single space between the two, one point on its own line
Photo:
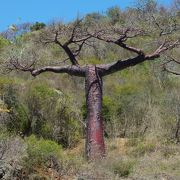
x=37 y=26
x=41 y=151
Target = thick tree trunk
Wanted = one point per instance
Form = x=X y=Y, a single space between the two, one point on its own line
x=95 y=147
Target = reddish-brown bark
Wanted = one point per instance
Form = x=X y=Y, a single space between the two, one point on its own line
x=95 y=147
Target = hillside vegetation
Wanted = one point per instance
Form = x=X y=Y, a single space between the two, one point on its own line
x=42 y=119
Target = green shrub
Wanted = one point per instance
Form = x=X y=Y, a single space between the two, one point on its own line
x=123 y=168
x=37 y=26
x=3 y=42
x=59 y=123
x=40 y=151
x=3 y=134
x=17 y=118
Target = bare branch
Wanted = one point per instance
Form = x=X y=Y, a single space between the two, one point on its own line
x=20 y=63
x=119 y=36
x=169 y=28
x=174 y=60
x=66 y=35
x=71 y=70
x=162 y=48
x=170 y=71
x=119 y=65
x=105 y=69
x=165 y=68
x=14 y=62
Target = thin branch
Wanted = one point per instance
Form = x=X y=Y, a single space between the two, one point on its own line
x=14 y=62
x=119 y=37
x=174 y=60
x=130 y=48
x=75 y=35
x=168 y=29
x=162 y=48
x=165 y=68
x=170 y=71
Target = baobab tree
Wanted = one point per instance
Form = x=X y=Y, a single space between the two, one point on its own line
x=72 y=38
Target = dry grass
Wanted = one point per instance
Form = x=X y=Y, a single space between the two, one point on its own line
x=146 y=159
x=131 y=159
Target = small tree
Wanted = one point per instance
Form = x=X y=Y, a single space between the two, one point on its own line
x=71 y=38
x=114 y=14
x=37 y=26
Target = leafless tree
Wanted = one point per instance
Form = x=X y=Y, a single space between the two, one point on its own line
x=71 y=38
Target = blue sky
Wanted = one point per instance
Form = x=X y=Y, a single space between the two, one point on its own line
x=20 y=11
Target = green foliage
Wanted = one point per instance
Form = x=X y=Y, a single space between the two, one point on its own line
x=42 y=91
x=123 y=168
x=37 y=26
x=147 y=5
x=92 y=60
x=93 y=18
x=40 y=151
x=107 y=108
x=115 y=15
x=3 y=42
x=59 y=123
x=4 y=135
x=17 y=119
